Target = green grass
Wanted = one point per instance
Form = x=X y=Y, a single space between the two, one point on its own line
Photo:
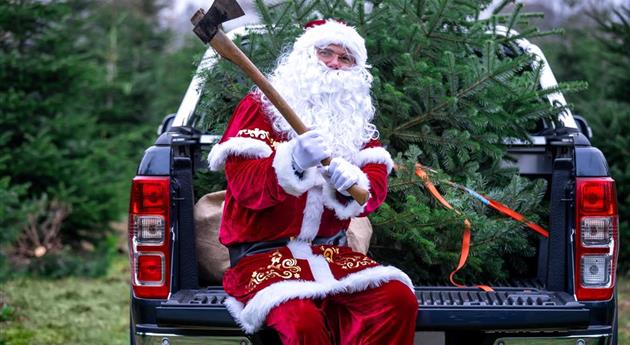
x=623 y=289
x=38 y=311
x=67 y=311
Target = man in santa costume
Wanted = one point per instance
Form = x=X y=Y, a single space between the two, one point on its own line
x=285 y=215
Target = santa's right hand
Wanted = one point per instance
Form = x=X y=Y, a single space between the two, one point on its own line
x=310 y=149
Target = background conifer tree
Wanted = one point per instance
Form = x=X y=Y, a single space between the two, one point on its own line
x=50 y=154
x=83 y=85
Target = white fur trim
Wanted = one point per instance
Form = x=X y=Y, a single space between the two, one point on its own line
x=320 y=269
x=350 y=208
x=235 y=307
x=375 y=155
x=312 y=215
x=333 y=32
x=253 y=315
x=317 y=263
x=300 y=249
x=288 y=180
x=237 y=146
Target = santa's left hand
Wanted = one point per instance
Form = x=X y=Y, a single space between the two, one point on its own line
x=341 y=174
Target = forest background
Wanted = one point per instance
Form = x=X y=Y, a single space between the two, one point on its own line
x=84 y=84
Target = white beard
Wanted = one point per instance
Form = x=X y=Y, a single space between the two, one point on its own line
x=336 y=102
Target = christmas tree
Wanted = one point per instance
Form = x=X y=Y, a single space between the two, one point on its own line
x=448 y=90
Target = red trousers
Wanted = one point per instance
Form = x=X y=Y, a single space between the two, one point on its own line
x=379 y=316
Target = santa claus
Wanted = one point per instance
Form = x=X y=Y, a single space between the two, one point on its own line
x=285 y=215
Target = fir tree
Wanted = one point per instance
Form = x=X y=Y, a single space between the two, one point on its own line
x=50 y=156
x=448 y=91
x=83 y=85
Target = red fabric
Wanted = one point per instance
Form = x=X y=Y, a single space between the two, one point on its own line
x=299 y=321
x=256 y=206
x=270 y=267
x=343 y=261
x=279 y=265
x=318 y=22
x=379 y=316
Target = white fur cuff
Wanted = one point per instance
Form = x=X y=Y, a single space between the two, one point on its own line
x=375 y=155
x=237 y=146
x=344 y=210
x=288 y=180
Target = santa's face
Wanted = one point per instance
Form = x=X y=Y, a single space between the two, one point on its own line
x=335 y=56
x=328 y=91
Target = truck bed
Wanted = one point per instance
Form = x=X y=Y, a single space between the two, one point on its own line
x=441 y=308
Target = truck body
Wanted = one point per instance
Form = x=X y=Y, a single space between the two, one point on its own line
x=570 y=298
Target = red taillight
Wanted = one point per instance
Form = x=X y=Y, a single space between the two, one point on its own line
x=150 y=268
x=596 y=238
x=149 y=240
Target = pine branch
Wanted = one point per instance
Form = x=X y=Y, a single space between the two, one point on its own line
x=436 y=21
x=461 y=94
x=515 y=16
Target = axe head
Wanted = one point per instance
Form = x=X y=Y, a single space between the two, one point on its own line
x=207 y=24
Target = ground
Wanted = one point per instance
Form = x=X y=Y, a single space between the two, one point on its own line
x=624 y=310
x=42 y=311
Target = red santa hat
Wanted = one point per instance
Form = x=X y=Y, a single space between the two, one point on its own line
x=320 y=33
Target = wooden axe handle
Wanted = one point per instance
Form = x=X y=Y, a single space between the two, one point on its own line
x=227 y=49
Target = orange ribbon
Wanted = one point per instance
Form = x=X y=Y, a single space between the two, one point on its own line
x=463 y=256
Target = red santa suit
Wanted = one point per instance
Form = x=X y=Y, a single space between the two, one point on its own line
x=267 y=201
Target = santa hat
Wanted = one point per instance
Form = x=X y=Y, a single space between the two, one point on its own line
x=320 y=33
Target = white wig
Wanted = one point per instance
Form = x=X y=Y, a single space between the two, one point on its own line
x=335 y=101
x=334 y=32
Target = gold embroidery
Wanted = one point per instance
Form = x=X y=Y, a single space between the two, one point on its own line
x=260 y=134
x=355 y=262
x=346 y=262
x=329 y=253
x=281 y=268
x=255 y=133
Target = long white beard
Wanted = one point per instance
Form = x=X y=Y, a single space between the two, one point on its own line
x=336 y=102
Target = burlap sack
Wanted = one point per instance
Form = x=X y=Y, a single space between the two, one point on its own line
x=214 y=258
x=359 y=234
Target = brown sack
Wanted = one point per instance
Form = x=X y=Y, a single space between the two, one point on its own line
x=359 y=234
x=214 y=258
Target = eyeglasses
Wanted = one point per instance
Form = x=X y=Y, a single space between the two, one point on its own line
x=327 y=55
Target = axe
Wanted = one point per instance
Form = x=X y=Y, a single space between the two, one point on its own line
x=207 y=27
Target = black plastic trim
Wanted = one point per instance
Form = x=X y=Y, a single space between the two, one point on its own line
x=185 y=238
x=558 y=239
x=508 y=318
x=143 y=310
x=590 y=162
x=156 y=161
x=195 y=316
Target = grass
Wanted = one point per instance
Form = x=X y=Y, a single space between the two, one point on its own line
x=37 y=311
x=623 y=289
x=67 y=311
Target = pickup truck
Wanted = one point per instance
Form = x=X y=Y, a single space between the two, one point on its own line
x=570 y=299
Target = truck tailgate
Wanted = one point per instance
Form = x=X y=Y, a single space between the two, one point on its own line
x=441 y=308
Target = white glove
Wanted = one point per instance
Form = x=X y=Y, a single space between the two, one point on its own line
x=342 y=175
x=309 y=150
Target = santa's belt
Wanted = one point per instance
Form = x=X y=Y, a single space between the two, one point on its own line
x=238 y=251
